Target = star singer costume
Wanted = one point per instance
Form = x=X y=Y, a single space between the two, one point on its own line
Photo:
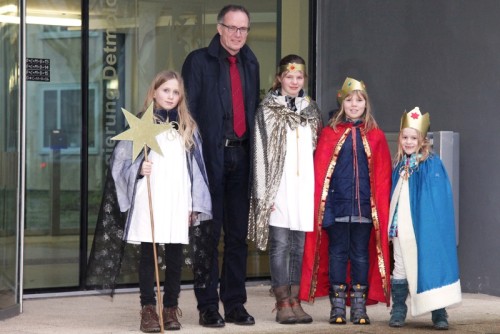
x=315 y=267
x=274 y=123
x=423 y=223
x=123 y=223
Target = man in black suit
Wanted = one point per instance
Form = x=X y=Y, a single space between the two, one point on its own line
x=214 y=78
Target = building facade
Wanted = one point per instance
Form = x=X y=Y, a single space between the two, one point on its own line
x=68 y=67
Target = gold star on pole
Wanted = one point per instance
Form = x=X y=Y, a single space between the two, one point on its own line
x=142 y=131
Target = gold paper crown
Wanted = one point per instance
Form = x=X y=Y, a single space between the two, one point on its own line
x=350 y=85
x=292 y=67
x=414 y=119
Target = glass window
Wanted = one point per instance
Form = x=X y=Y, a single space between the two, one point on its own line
x=132 y=41
x=61 y=111
x=10 y=296
x=129 y=42
x=52 y=223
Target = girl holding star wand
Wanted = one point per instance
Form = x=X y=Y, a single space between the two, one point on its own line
x=174 y=194
x=171 y=193
x=422 y=228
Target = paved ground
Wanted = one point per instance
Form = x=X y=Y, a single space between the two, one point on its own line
x=103 y=315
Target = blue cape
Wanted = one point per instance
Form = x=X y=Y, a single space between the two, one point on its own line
x=432 y=213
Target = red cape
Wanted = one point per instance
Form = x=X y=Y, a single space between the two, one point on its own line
x=315 y=265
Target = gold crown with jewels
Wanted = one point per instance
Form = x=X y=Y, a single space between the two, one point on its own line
x=415 y=120
x=350 y=85
x=292 y=67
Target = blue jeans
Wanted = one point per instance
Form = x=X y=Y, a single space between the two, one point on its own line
x=230 y=206
x=349 y=241
x=286 y=248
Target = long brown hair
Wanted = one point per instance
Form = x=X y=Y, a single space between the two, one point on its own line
x=367 y=117
x=187 y=124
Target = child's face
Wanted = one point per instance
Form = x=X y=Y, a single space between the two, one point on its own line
x=292 y=83
x=354 y=106
x=409 y=140
x=167 y=96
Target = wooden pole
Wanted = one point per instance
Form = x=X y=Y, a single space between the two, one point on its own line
x=157 y=274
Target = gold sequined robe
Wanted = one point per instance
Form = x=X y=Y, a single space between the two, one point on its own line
x=272 y=121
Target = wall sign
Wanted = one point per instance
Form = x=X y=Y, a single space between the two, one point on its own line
x=37 y=69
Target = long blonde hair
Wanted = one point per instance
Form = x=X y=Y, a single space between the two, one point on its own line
x=367 y=117
x=187 y=124
x=424 y=148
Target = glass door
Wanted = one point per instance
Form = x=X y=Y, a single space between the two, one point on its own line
x=53 y=144
x=10 y=285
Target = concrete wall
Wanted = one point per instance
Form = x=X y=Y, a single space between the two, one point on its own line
x=443 y=56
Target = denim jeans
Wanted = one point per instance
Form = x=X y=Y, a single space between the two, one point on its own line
x=286 y=248
x=349 y=241
x=172 y=284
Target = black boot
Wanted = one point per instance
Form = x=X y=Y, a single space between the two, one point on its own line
x=358 y=305
x=440 y=319
x=337 y=300
x=399 y=292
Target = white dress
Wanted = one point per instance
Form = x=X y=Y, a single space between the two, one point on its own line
x=294 y=202
x=170 y=194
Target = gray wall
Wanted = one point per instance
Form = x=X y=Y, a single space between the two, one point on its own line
x=443 y=56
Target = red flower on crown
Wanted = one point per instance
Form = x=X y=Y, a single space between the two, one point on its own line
x=415 y=115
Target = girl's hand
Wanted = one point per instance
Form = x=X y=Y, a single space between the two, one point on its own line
x=193 y=217
x=146 y=168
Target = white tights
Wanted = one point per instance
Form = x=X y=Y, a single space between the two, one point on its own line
x=399 y=271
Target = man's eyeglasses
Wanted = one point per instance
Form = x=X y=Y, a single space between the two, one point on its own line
x=233 y=29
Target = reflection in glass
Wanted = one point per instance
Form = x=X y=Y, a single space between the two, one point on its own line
x=9 y=169
x=131 y=41
x=54 y=125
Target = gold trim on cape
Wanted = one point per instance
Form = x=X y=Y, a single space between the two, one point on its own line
x=321 y=211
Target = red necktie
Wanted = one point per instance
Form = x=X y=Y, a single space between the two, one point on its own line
x=239 y=124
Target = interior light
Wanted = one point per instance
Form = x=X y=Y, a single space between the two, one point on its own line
x=8 y=9
x=32 y=19
x=53 y=21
